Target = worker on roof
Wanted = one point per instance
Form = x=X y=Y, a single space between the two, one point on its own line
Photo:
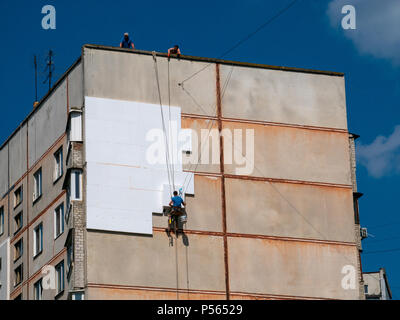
x=174 y=50
x=176 y=202
x=126 y=42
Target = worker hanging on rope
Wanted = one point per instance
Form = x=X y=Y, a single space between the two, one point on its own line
x=176 y=212
x=126 y=42
x=174 y=50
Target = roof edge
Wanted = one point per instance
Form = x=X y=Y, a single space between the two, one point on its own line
x=214 y=60
x=44 y=98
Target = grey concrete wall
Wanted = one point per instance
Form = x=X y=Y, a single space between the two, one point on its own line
x=48 y=123
x=297 y=154
x=75 y=87
x=289 y=210
x=150 y=261
x=4 y=171
x=5 y=269
x=373 y=282
x=285 y=97
x=290 y=268
x=123 y=76
x=18 y=151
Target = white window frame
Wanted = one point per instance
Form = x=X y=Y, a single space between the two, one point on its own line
x=75 y=130
x=76 y=175
x=1 y=220
x=37 y=184
x=58 y=164
x=75 y=294
x=59 y=211
x=60 y=285
x=37 y=250
x=38 y=290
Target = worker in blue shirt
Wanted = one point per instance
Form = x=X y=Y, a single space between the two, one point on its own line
x=126 y=42
x=176 y=202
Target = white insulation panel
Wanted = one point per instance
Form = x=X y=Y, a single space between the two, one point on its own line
x=124 y=186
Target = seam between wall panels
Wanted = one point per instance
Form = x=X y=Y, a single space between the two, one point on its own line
x=222 y=170
x=260 y=236
x=267 y=123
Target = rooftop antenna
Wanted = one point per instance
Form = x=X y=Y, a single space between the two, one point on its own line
x=49 y=67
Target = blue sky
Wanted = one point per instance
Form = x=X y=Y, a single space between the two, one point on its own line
x=309 y=35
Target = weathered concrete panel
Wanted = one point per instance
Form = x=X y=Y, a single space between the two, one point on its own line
x=199 y=161
x=4 y=171
x=289 y=210
x=48 y=123
x=295 y=154
x=150 y=261
x=285 y=97
x=101 y=293
x=290 y=268
x=5 y=269
x=75 y=87
x=204 y=209
x=123 y=76
x=18 y=155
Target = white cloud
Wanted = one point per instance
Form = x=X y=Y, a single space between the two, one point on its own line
x=382 y=156
x=378 y=26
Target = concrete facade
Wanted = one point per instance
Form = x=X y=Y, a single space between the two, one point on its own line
x=284 y=230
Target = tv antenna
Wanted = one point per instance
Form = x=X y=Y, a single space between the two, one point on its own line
x=36 y=77
x=49 y=67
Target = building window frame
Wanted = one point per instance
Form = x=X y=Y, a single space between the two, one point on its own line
x=18 y=196
x=18 y=222
x=60 y=278
x=18 y=249
x=38 y=240
x=59 y=221
x=37 y=185
x=58 y=164
x=1 y=220
x=75 y=190
x=18 y=275
x=38 y=289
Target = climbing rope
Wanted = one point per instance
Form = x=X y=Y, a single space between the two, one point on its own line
x=163 y=122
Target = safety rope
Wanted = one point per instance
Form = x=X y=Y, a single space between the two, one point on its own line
x=163 y=122
x=169 y=111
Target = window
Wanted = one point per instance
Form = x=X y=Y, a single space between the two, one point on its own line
x=38 y=240
x=78 y=296
x=76 y=185
x=366 y=288
x=75 y=131
x=60 y=277
x=18 y=275
x=70 y=256
x=38 y=290
x=37 y=187
x=59 y=221
x=18 y=222
x=18 y=196
x=58 y=164
x=18 y=249
x=1 y=220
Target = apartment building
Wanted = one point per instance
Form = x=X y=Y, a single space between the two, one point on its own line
x=271 y=196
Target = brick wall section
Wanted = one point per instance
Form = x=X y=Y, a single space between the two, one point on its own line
x=353 y=164
x=77 y=222
x=79 y=245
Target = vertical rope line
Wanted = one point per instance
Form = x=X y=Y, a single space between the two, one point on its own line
x=163 y=121
x=170 y=134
